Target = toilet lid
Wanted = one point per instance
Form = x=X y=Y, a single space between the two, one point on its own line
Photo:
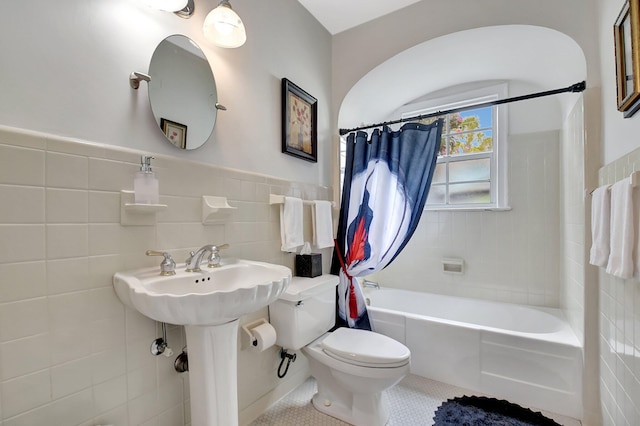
x=366 y=348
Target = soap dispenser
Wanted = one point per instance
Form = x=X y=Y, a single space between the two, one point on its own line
x=145 y=183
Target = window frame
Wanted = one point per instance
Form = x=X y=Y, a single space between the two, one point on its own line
x=499 y=166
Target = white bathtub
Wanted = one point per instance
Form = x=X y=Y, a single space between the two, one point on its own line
x=525 y=354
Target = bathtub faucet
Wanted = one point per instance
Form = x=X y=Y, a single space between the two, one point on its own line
x=371 y=284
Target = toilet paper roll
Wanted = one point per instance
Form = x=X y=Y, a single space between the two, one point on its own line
x=264 y=337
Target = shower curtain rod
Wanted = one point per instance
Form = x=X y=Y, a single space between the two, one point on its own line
x=578 y=87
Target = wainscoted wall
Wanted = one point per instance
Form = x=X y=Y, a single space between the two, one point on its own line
x=70 y=352
x=620 y=325
x=510 y=256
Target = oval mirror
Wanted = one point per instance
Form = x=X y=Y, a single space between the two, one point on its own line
x=182 y=92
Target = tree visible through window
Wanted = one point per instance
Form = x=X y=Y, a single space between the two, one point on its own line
x=464 y=170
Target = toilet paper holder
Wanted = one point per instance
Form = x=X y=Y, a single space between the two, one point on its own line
x=253 y=341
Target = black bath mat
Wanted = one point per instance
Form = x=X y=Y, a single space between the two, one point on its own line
x=483 y=411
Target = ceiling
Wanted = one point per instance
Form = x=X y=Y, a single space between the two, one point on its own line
x=340 y=15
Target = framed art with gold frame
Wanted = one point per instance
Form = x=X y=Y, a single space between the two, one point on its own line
x=626 y=33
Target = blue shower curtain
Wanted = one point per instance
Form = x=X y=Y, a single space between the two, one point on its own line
x=386 y=183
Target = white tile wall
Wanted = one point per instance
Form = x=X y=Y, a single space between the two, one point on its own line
x=510 y=256
x=573 y=220
x=70 y=352
x=619 y=327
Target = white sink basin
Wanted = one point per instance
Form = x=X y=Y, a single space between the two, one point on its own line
x=213 y=296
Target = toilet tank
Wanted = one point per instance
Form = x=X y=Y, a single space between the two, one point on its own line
x=305 y=311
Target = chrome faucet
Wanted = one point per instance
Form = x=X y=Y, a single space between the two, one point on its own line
x=194 y=260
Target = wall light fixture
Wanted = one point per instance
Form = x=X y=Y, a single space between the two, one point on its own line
x=223 y=27
x=167 y=5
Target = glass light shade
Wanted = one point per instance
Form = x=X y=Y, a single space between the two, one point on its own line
x=166 y=5
x=223 y=27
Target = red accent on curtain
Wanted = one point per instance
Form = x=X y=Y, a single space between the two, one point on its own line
x=353 y=303
x=356 y=251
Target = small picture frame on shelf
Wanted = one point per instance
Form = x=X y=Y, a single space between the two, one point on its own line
x=299 y=122
x=626 y=31
x=175 y=132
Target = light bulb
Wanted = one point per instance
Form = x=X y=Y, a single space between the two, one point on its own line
x=223 y=27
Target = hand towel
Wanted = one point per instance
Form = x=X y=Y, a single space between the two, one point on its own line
x=291 y=224
x=322 y=224
x=600 y=224
x=622 y=231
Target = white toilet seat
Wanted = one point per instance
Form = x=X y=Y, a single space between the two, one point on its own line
x=365 y=348
x=314 y=350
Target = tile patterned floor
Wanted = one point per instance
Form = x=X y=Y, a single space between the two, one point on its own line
x=413 y=402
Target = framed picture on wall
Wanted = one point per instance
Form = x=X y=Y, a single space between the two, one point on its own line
x=175 y=132
x=299 y=122
x=626 y=33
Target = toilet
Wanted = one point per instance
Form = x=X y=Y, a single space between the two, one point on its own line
x=353 y=368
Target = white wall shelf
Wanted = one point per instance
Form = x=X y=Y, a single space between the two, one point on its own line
x=136 y=214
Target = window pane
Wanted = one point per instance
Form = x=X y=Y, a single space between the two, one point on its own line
x=470 y=193
x=456 y=123
x=469 y=120
x=481 y=118
x=436 y=194
x=466 y=162
x=440 y=174
x=480 y=141
x=467 y=170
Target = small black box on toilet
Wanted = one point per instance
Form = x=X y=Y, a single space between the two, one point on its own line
x=309 y=265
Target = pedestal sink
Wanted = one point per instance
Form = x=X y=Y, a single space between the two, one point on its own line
x=208 y=304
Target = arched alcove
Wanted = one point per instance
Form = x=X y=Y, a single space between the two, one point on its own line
x=529 y=58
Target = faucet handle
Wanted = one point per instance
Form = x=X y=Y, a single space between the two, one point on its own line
x=168 y=266
x=214 y=257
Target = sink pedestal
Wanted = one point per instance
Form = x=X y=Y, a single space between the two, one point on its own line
x=208 y=303
x=213 y=376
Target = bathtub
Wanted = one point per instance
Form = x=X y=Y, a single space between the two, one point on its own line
x=525 y=354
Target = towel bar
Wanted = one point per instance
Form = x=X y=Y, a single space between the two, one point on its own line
x=279 y=199
x=635 y=181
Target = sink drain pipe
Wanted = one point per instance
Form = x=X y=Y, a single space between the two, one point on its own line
x=289 y=358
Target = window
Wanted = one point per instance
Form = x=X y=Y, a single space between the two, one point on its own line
x=471 y=167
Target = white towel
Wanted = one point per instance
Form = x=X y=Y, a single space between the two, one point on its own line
x=291 y=224
x=322 y=224
x=600 y=224
x=622 y=231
